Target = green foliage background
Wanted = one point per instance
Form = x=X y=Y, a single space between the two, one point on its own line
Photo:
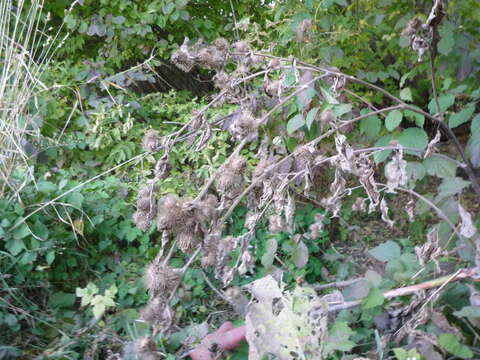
x=92 y=119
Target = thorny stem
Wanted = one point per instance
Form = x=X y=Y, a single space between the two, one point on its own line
x=407 y=290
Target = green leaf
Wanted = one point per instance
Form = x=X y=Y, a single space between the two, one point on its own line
x=417 y=117
x=382 y=155
x=21 y=232
x=168 y=8
x=451 y=343
x=468 y=312
x=99 y=310
x=370 y=126
x=387 y=251
x=406 y=94
x=342 y=109
x=338 y=338
x=270 y=250
x=295 y=123
x=451 y=186
x=394 y=118
x=437 y=166
x=15 y=246
x=447 y=40
x=50 y=257
x=445 y=102
x=374 y=298
x=311 y=117
x=475 y=126
x=415 y=138
x=402 y=354
x=300 y=255
x=111 y=291
x=473 y=148
x=46 y=187
x=329 y=98
x=415 y=171
x=462 y=116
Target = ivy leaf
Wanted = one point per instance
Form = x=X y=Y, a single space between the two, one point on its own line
x=15 y=246
x=387 y=251
x=451 y=186
x=311 y=117
x=394 y=118
x=406 y=94
x=374 y=298
x=50 y=257
x=415 y=138
x=295 y=123
x=462 y=116
x=450 y=343
x=439 y=167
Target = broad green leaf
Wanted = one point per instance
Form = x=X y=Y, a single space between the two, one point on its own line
x=417 y=117
x=168 y=8
x=452 y=344
x=338 y=338
x=98 y=311
x=15 y=246
x=406 y=94
x=473 y=148
x=445 y=101
x=50 y=257
x=370 y=126
x=447 y=40
x=415 y=138
x=402 y=354
x=342 y=109
x=270 y=250
x=394 y=118
x=374 y=298
x=437 y=166
x=475 y=126
x=387 y=251
x=451 y=186
x=462 y=116
x=468 y=312
x=382 y=155
x=329 y=98
x=415 y=171
x=46 y=187
x=311 y=117
x=111 y=291
x=21 y=232
x=300 y=255
x=295 y=123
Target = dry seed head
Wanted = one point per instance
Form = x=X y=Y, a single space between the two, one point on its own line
x=241 y=46
x=170 y=212
x=221 y=44
x=276 y=224
x=147 y=191
x=272 y=88
x=142 y=220
x=237 y=163
x=161 y=278
x=246 y=126
x=221 y=80
x=187 y=240
x=145 y=345
x=144 y=204
x=153 y=311
x=204 y=56
x=208 y=206
x=183 y=59
x=208 y=259
x=151 y=140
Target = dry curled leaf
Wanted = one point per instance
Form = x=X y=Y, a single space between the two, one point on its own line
x=467 y=228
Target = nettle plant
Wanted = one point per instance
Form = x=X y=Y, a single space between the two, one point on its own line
x=299 y=118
